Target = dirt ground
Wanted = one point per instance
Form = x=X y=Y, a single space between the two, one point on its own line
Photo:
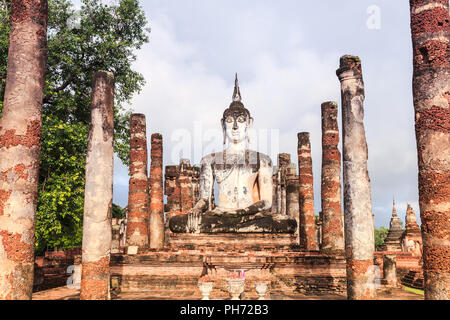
x=65 y=293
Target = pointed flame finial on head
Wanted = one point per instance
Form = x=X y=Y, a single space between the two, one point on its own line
x=236 y=107
x=237 y=92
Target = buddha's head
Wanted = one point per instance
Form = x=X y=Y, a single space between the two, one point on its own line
x=236 y=121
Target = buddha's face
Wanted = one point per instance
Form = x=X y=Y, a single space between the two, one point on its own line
x=236 y=128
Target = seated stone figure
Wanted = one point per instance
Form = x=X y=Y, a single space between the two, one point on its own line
x=245 y=182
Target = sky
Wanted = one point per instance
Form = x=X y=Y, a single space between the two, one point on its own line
x=286 y=54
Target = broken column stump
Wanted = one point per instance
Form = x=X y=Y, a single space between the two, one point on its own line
x=138 y=203
x=390 y=270
x=332 y=218
x=20 y=134
x=98 y=191
x=308 y=234
x=359 y=225
x=157 y=227
x=431 y=86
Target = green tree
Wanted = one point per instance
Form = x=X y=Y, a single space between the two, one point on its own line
x=380 y=235
x=117 y=212
x=96 y=37
x=4 y=44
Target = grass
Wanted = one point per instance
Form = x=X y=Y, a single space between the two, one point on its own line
x=412 y=290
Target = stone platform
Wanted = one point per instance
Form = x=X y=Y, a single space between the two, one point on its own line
x=174 y=273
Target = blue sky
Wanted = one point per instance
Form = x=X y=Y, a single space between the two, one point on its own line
x=286 y=54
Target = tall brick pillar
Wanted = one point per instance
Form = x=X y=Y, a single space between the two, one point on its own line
x=97 y=231
x=20 y=134
x=308 y=235
x=156 y=193
x=332 y=219
x=292 y=202
x=138 y=207
x=431 y=86
x=359 y=227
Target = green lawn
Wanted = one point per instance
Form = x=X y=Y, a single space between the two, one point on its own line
x=412 y=290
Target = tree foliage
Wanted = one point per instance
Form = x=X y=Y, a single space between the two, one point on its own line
x=380 y=235
x=99 y=36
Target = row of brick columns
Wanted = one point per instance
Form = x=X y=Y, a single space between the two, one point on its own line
x=145 y=221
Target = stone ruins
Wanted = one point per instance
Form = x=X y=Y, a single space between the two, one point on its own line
x=258 y=235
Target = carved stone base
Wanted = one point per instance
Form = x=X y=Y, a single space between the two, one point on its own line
x=264 y=222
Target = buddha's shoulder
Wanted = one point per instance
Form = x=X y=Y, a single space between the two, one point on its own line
x=263 y=158
x=211 y=158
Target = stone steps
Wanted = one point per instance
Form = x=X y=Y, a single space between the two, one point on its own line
x=414 y=279
x=174 y=274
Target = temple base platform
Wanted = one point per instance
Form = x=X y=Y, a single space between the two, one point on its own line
x=174 y=272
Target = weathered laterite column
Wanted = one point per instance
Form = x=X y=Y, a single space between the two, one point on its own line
x=359 y=228
x=156 y=193
x=138 y=205
x=308 y=235
x=332 y=218
x=431 y=85
x=98 y=191
x=390 y=270
x=292 y=202
x=20 y=134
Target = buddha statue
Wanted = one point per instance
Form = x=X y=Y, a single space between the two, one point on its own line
x=244 y=179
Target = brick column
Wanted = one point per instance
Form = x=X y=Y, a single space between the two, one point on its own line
x=138 y=207
x=20 y=134
x=156 y=193
x=390 y=270
x=359 y=229
x=186 y=188
x=284 y=160
x=196 y=184
x=98 y=191
x=431 y=86
x=279 y=191
x=292 y=203
x=172 y=189
x=332 y=218
x=308 y=235
x=275 y=193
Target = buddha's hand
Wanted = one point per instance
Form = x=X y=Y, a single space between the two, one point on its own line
x=254 y=208
x=195 y=216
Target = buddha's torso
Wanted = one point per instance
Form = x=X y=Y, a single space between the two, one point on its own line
x=237 y=177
